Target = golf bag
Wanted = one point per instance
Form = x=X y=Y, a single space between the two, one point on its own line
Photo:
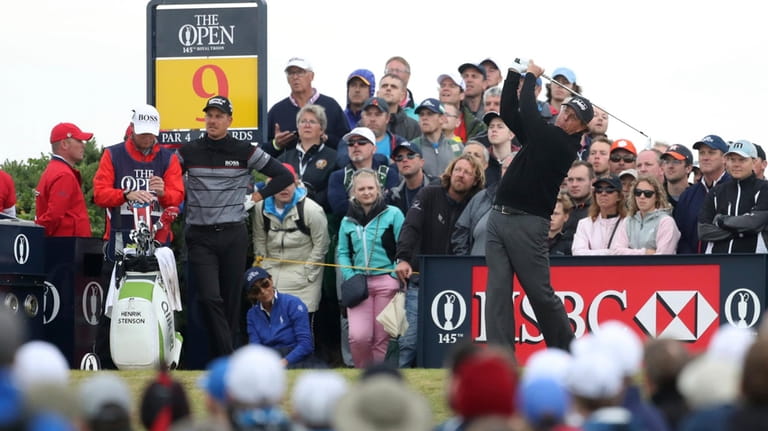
x=142 y=330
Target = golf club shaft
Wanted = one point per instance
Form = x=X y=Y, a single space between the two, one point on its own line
x=543 y=75
x=595 y=105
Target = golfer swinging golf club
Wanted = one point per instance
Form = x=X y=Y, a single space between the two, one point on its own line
x=526 y=196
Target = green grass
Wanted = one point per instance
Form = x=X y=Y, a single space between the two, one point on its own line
x=428 y=382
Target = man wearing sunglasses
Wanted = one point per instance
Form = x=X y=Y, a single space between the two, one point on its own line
x=623 y=156
x=410 y=164
x=519 y=220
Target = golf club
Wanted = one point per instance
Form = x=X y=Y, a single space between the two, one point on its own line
x=524 y=64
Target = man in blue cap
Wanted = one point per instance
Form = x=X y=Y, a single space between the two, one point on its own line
x=278 y=321
x=712 y=149
x=557 y=94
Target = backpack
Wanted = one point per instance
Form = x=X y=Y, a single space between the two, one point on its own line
x=300 y=225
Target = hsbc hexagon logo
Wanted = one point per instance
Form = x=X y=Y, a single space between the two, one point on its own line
x=680 y=314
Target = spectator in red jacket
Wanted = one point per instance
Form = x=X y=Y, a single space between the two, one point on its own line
x=59 y=203
x=139 y=170
x=7 y=195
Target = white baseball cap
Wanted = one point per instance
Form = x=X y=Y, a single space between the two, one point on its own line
x=622 y=343
x=594 y=375
x=551 y=363
x=453 y=76
x=363 y=132
x=300 y=62
x=146 y=119
x=255 y=376
x=315 y=396
x=40 y=363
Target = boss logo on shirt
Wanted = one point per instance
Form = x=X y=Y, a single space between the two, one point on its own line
x=232 y=163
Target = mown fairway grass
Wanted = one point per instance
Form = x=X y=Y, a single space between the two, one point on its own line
x=428 y=382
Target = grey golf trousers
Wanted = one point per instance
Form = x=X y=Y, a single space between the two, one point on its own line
x=517 y=245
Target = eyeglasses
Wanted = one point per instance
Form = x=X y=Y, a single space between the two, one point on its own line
x=409 y=156
x=353 y=142
x=627 y=159
x=297 y=72
x=262 y=284
x=599 y=190
x=647 y=193
x=308 y=122
x=395 y=71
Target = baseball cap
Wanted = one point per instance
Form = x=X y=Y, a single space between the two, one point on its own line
x=565 y=73
x=489 y=116
x=255 y=376
x=213 y=380
x=377 y=102
x=219 y=102
x=712 y=141
x=101 y=390
x=299 y=62
x=491 y=61
x=477 y=66
x=610 y=180
x=146 y=119
x=583 y=108
x=623 y=144
x=543 y=400
x=63 y=131
x=760 y=151
x=453 y=76
x=253 y=275
x=39 y=363
x=291 y=169
x=594 y=374
x=363 y=132
x=361 y=74
x=630 y=172
x=548 y=363
x=433 y=105
x=622 y=343
x=315 y=395
x=743 y=148
x=679 y=152
x=408 y=146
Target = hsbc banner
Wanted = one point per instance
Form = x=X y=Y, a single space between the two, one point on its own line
x=682 y=297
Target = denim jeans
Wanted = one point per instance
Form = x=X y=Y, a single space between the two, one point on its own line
x=408 y=340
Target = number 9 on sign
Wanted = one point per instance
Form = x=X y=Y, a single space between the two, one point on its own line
x=184 y=85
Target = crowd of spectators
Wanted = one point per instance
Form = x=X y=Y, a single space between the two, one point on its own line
x=610 y=380
x=436 y=160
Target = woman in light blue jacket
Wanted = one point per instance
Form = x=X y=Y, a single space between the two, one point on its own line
x=367 y=240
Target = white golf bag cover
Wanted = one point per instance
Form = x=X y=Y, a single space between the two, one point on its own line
x=142 y=333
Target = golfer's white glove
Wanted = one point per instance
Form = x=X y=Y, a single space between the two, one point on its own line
x=520 y=65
